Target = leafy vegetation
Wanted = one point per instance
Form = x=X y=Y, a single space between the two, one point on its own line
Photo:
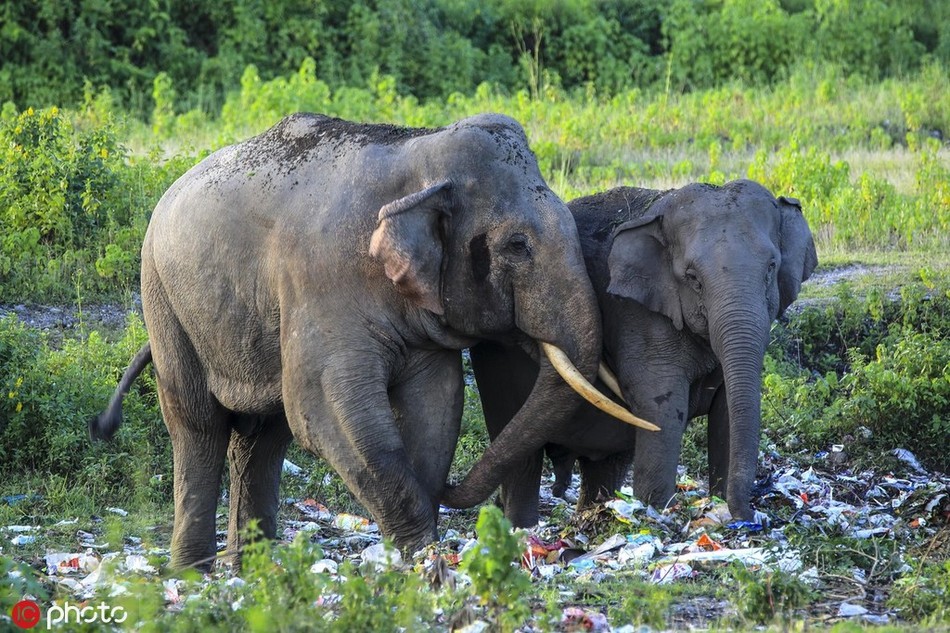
x=875 y=369
x=433 y=48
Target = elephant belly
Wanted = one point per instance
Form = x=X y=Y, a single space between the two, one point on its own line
x=261 y=397
x=599 y=435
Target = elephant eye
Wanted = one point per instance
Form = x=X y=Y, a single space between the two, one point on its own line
x=518 y=245
x=771 y=272
x=693 y=280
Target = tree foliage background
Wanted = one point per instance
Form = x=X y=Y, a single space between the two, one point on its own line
x=432 y=48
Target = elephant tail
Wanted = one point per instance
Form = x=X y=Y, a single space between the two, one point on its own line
x=104 y=426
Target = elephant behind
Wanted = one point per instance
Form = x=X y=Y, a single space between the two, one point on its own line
x=688 y=281
x=318 y=281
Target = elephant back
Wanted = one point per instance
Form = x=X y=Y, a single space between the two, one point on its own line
x=597 y=217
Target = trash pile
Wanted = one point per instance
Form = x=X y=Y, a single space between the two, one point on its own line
x=619 y=537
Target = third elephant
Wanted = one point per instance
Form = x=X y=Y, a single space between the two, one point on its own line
x=689 y=282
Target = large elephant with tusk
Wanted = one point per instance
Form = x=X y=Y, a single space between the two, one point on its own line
x=318 y=281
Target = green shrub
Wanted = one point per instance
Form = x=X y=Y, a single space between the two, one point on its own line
x=73 y=207
x=494 y=567
x=49 y=395
x=764 y=597
x=876 y=363
x=921 y=594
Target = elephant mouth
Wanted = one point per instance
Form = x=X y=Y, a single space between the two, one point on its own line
x=566 y=369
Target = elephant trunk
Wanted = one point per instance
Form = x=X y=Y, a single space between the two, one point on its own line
x=574 y=326
x=738 y=335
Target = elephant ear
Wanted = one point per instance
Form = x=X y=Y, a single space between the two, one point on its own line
x=408 y=242
x=798 y=252
x=641 y=269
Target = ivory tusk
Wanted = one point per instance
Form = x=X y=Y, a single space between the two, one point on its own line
x=563 y=365
x=607 y=377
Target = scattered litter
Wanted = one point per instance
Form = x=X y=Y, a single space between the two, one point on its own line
x=325 y=566
x=381 y=556
x=624 y=510
x=171 y=591
x=748 y=526
x=292 y=469
x=22 y=539
x=848 y=610
x=910 y=459
x=138 y=563
x=663 y=574
x=12 y=500
x=638 y=551
x=353 y=523
x=58 y=563
x=577 y=619
x=691 y=538
x=313 y=510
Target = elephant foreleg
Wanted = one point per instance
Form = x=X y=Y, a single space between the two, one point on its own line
x=657 y=453
x=345 y=415
x=255 y=462
x=427 y=402
x=718 y=444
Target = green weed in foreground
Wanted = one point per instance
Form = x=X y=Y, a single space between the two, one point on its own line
x=498 y=581
x=764 y=597
x=921 y=595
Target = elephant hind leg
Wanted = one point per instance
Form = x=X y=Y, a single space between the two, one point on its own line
x=199 y=434
x=562 y=463
x=255 y=460
x=196 y=422
x=602 y=478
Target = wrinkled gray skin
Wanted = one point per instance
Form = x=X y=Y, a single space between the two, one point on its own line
x=689 y=282
x=318 y=281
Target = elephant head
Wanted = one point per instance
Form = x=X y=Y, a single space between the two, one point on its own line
x=722 y=263
x=494 y=253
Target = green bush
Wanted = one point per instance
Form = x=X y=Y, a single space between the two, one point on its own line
x=876 y=364
x=434 y=48
x=921 y=595
x=73 y=206
x=50 y=394
x=764 y=597
x=494 y=567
